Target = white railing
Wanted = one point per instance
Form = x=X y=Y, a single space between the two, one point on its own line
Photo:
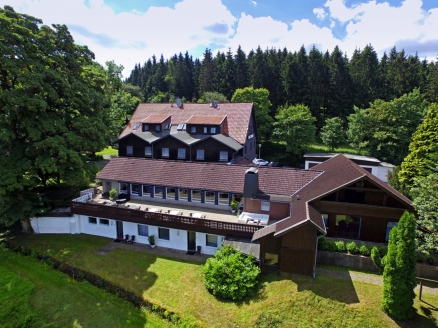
x=87 y=191
x=86 y=195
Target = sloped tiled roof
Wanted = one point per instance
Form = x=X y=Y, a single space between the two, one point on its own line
x=206 y=119
x=238 y=116
x=338 y=172
x=155 y=118
x=205 y=176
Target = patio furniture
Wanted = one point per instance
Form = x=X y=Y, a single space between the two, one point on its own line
x=121 y=201
x=132 y=240
x=126 y=239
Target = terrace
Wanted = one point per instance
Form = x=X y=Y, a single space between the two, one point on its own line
x=168 y=214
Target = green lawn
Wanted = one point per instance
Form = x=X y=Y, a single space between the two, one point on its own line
x=33 y=295
x=108 y=151
x=321 y=148
x=283 y=301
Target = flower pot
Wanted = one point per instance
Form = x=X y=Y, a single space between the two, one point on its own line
x=153 y=246
x=233 y=211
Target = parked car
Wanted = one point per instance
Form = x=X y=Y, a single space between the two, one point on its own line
x=260 y=162
x=275 y=164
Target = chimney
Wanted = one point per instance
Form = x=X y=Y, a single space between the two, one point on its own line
x=251 y=183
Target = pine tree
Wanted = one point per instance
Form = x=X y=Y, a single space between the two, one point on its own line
x=319 y=80
x=206 y=74
x=399 y=273
x=242 y=74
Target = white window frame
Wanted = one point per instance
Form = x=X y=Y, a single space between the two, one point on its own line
x=148 y=151
x=209 y=201
x=129 y=150
x=265 y=206
x=165 y=152
x=161 y=229
x=198 y=154
x=211 y=243
x=140 y=232
x=223 y=156
x=181 y=153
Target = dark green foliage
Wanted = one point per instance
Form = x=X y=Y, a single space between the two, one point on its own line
x=332 y=133
x=230 y=274
x=340 y=246
x=364 y=250
x=352 y=248
x=326 y=245
x=399 y=272
x=210 y=96
x=377 y=259
x=430 y=259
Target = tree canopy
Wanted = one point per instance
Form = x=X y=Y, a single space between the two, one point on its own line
x=52 y=112
x=332 y=133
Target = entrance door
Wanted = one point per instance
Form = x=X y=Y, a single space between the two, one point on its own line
x=191 y=240
x=119 y=229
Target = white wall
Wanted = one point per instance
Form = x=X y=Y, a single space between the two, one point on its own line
x=98 y=229
x=201 y=240
x=53 y=224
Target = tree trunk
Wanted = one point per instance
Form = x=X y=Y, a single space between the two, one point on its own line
x=27 y=227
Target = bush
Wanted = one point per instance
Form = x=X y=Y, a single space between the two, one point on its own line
x=364 y=250
x=430 y=259
x=383 y=250
x=352 y=248
x=377 y=260
x=231 y=274
x=340 y=246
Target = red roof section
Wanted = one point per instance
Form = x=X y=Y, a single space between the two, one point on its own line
x=205 y=176
x=238 y=116
x=206 y=119
x=154 y=119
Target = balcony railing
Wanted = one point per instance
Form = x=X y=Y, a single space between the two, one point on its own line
x=164 y=219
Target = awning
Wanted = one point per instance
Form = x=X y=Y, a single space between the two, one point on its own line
x=244 y=246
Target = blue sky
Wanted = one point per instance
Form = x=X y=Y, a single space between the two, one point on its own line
x=131 y=31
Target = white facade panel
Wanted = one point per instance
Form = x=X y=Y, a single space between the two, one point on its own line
x=51 y=225
x=201 y=240
x=97 y=228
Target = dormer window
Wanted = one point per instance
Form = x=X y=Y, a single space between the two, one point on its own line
x=193 y=129
x=129 y=150
x=145 y=127
x=205 y=130
x=213 y=130
x=158 y=128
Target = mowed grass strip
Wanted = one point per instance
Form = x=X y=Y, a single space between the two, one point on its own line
x=58 y=301
x=282 y=300
x=108 y=151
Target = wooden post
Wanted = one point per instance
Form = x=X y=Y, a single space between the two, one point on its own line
x=421 y=289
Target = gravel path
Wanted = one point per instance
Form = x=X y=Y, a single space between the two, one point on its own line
x=369 y=278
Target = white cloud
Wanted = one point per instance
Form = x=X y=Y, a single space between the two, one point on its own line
x=253 y=3
x=320 y=13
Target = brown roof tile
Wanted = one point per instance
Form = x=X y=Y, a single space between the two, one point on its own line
x=238 y=116
x=206 y=119
x=154 y=119
x=206 y=176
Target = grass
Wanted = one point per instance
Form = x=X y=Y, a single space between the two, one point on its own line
x=108 y=151
x=41 y=297
x=282 y=301
x=320 y=148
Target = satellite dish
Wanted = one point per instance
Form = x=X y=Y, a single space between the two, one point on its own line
x=179 y=102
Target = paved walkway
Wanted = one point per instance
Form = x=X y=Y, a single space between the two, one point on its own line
x=201 y=258
x=369 y=278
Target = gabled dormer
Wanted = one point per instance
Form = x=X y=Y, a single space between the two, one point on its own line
x=207 y=124
x=156 y=123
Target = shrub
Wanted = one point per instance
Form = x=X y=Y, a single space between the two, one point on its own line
x=230 y=274
x=430 y=259
x=383 y=250
x=364 y=250
x=340 y=246
x=377 y=260
x=419 y=257
x=352 y=248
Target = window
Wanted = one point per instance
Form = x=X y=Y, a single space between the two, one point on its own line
x=158 y=128
x=129 y=150
x=209 y=197
x=211 y=240
x=271 y=258
x=92 y=220
x=165 y=152
x=181 y=153
x=147 y=190
x=212 y=130
x=224 y=198
x=200 y=154
x=389 y=226
x=135 y=189
x=123 y=188
x=205 y=129
x=223 y=156
x=193 y=129
x=196 y=195
x=163 y=233
x=265 y=206
x=347 y=226
x=148 y=151
x=143 y=230
x=170 y=193
x=104 y=222
x=184 y=194
x=158 y=192
x=145 y=127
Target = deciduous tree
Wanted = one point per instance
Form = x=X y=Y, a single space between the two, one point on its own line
x=333 y=133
